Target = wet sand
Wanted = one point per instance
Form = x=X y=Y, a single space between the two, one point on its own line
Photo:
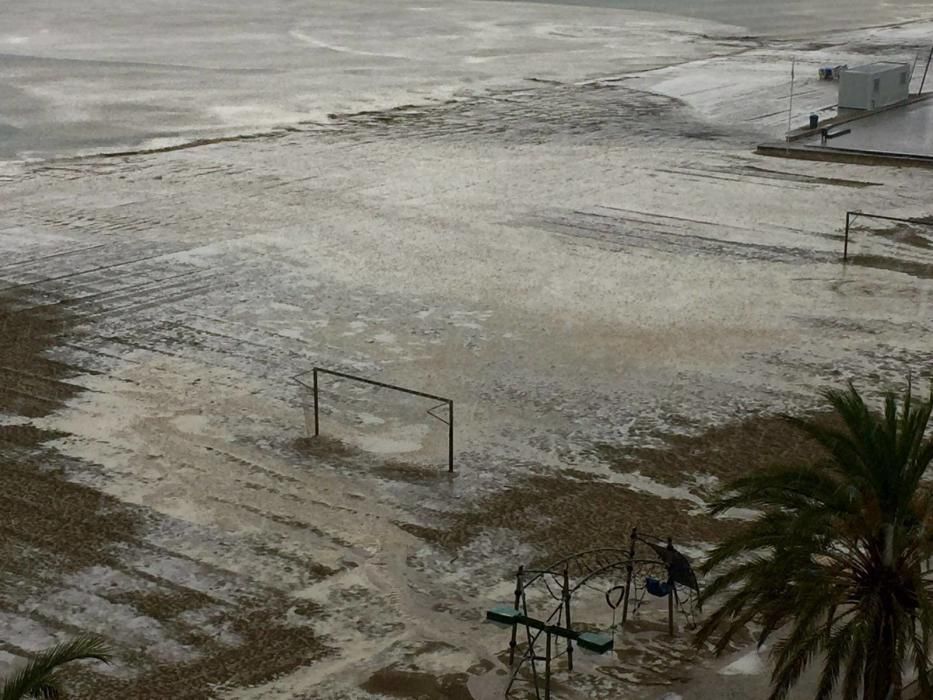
x=617 y=293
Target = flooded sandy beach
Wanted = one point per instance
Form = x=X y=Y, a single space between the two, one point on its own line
x=97 y=77
x=552 y=215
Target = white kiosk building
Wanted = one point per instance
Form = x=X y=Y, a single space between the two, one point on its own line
x=874 y=85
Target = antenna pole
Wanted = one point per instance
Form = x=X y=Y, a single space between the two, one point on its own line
x=790 y=105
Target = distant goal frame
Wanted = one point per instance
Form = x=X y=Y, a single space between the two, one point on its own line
x=442 y=400
x=851 y=216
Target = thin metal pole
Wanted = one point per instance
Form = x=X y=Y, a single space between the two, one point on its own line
x=845 y=248
x=317 y=427
x=518 y=600
x=547 y=668
x=929 y=58
x=450 y=440
x=670 y=594
x=628 y=576
x=790 y=106
x=566 y=596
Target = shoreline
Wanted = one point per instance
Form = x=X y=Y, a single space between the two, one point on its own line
x=501 y=70
x=737 y=12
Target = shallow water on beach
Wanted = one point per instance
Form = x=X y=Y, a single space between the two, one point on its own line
x=94 y=76
x=772 y=18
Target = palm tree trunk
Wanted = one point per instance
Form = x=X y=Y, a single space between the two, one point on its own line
x=881 y=680
x=888 y=556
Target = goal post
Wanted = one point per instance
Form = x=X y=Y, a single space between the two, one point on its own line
x=313 y=387
x=851 y=216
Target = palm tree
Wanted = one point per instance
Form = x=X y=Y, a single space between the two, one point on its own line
x=838 y=562
x=38 y=678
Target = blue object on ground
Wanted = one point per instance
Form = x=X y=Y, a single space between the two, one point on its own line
x=659 y=589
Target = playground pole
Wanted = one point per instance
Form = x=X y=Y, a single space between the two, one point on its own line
x=628 y=576
x=566 y=596
x=670 y=595
x=518 y=600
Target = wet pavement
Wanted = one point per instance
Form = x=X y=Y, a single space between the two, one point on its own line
x=903 y=131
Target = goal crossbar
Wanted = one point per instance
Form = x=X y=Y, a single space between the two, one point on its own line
x=443 y=401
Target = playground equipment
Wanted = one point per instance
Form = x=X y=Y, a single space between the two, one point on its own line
x=624 y=577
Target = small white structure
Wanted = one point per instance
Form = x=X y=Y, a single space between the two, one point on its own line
x=874 y=86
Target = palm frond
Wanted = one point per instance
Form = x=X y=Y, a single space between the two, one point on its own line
x=37 y=677
x=837 y=563
x=838 y=648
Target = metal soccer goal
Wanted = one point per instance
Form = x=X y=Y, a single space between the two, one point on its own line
x=313 y=410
